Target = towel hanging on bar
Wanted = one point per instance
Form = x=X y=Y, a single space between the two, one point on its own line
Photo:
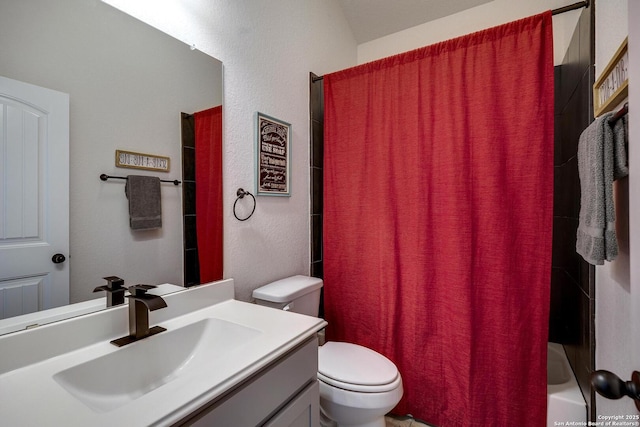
x=145 y=207
x=601 y=160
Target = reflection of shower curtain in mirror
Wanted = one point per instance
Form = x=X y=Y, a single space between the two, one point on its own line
x=438 y=192
x=208 y=134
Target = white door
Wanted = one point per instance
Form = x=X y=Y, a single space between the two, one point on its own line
x=34 y=198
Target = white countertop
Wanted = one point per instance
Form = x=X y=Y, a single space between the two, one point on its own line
x=30 y=395
x=39 y=318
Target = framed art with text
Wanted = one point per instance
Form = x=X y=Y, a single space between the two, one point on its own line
x=612 y=87
x=152 y=162
x=273 y=156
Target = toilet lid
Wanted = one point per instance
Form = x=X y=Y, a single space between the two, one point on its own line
x=357 y=368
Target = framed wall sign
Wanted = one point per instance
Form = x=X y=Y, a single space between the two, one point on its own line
x=130 y=159
x=273 y=156
x=613 y=84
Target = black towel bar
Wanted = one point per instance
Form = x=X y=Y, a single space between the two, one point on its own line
x=105 y=177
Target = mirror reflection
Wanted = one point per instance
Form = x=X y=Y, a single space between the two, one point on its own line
x=126 y=85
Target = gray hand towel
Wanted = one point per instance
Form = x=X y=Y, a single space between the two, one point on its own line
x=621 y=145
x=601 y=159
x=145 y=207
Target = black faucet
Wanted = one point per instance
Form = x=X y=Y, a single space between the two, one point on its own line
x=140 y=304
x=114 y=289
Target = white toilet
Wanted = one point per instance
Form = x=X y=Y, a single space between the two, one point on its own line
x=357 y=385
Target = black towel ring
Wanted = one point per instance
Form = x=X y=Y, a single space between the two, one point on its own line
x=241 y=193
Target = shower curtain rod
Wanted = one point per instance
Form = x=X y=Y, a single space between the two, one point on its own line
x=571 y=7
x=557 y=11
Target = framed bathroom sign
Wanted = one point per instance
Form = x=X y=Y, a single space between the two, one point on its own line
x=133 y=160
x=273 y=156
x=613 y=84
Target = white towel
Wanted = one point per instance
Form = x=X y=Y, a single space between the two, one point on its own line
x=601 y=159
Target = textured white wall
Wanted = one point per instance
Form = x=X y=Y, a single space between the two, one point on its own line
x=487 y=15
x=611 y=29
x=268 y=49
x=614 y=319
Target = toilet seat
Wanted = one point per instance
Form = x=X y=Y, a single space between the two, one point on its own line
x=356 y=368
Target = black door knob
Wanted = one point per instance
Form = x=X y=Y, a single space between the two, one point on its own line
x=58 y=258
x=611 y=386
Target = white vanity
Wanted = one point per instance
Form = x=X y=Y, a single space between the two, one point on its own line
x=220 y=362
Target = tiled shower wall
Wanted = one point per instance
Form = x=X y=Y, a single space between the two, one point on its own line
x=572 y=280
x=316 y=108
x=190 y=239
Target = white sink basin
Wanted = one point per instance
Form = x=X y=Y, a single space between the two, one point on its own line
x=115 y=379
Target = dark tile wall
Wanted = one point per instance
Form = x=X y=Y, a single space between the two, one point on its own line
x=316 y=107
x=190 y=241
x=571 y=320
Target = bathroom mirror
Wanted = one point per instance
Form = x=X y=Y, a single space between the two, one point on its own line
x=128 y=84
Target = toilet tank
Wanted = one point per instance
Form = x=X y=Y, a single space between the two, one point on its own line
x=300 y=294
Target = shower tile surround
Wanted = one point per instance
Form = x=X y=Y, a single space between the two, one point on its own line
x=190 y=240
x=316 y=107
x=571 y=320
x=572 y=282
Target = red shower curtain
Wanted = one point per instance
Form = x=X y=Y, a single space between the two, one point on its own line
x=208 y=134
x=438 y=192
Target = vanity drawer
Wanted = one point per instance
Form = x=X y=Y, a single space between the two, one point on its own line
x=302 y=411
x=273 y=394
